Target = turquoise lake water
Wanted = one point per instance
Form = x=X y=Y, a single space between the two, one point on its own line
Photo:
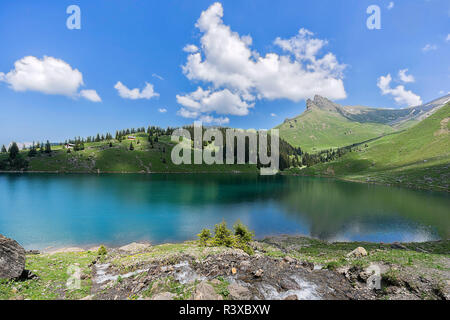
x=44 y=210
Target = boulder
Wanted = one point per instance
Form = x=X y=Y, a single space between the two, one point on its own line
x=358 y=252
x=135 y=247
x=163 y=296
x=205 y=291
x=12 y=258
x=399 y=246
x=238 y=292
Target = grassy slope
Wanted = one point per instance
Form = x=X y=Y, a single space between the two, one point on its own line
x=318 y=129
x=118 y=159
x=417 y=157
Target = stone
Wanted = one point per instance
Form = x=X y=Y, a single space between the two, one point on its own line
x=245 y=265
x=135 y=247
x=258 y=273
x=233 y=270
x=163 y=296
x=289 y=259
x=205 y=291
x=12 y=258
x=288 y=284
x=358 y=252
x=139 y=287
x=399 y=246
x=238 y=292
x=215 y=282
x=291 y=297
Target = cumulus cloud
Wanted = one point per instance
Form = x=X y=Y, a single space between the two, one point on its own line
x=273 y=115
x=134 y=94
x=429 y=47
x=191 y=48
x=91 y=95
x=162 y=110
x=390 y=5
x=407 y=78
x=399 y=93
x=212 y=120
x=187 y=114
x=221 y=102
x=237 y=75
x=47 y=75
x=448 y=38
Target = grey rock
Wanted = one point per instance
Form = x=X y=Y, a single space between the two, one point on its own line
x=238 y=292
x=397 y=245
x=12 y=258
x=164 y=296
x=205 y=291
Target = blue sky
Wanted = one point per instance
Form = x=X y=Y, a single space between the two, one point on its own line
x=138 y=42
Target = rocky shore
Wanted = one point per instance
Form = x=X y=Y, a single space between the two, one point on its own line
x=283 y=267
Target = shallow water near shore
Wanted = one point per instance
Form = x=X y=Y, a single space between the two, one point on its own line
x=51 y=210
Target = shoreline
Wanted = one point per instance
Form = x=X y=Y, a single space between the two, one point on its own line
x=434 y=189
x=95 y=246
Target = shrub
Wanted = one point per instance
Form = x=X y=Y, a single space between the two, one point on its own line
x=102 y=251
x=204 y=236
x=242 y=233
x=225 y=237
x=222 y=235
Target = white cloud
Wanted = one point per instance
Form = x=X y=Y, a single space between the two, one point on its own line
x=407 y=78
x=157 y=76
x=187 y=114
x=448 y=38
x=390 y=5
x=162 y=110
x=91 y=95
x=400 y=95
x=220 y=102
x=191 y=48
x=212 y=120
x=47 y=75
x=273 y=115
x=133 y=94
x=429 y=47
x=237 y=75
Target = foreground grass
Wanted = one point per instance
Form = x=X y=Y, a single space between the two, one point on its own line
x=53 y=272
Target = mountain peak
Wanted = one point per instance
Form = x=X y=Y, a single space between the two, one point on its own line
x=321 y=103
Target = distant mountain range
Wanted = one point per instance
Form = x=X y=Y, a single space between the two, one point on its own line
x=326 y=124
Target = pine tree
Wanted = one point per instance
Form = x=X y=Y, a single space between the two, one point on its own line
x=131 y=146
x=13 y=151
x=48 y=147
x=4 y=149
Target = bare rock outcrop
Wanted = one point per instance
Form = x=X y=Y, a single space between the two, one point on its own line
x=12 y=258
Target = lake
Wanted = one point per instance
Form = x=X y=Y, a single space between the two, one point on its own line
x=43 y=210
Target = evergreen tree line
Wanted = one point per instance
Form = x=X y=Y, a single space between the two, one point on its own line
x=288 y=155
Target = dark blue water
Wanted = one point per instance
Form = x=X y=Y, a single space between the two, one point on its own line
x=42 y=210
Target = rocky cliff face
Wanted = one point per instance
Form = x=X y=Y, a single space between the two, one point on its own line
x=12 y=258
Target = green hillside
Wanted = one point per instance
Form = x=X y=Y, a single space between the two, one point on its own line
x=318 y=129
x=326 y=124
x=418 y=156
x=118 y=158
